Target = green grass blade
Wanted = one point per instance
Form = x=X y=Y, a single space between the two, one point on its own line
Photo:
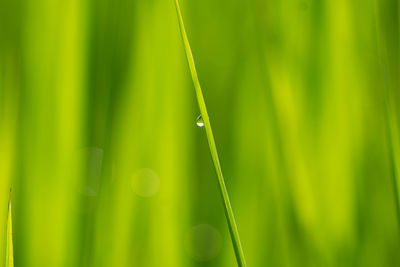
x=393 y=143
x=394 y=155
x=9 y=248
x=213 y=149
x=392 y=131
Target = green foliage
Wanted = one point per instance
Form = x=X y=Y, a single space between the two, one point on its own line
x=98 y=132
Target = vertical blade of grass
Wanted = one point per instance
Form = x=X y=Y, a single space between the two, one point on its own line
x=393 y=143
x=213 y=149
x=394 y=155
x=9 y=248
x=392 y=131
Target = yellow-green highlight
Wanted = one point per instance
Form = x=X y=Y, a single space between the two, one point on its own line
x=9 y=246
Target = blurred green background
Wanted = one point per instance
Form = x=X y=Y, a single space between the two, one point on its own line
x=99 y=143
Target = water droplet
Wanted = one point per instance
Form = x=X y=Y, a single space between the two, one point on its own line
x=145 y=182
x=203 y=242
x=199 y=121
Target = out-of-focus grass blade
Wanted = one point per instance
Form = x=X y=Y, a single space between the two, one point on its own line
x=213 y=149
x=9 y=248
x=393 y=143
x=393 y=134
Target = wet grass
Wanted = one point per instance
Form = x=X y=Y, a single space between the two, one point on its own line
x=211 y=142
